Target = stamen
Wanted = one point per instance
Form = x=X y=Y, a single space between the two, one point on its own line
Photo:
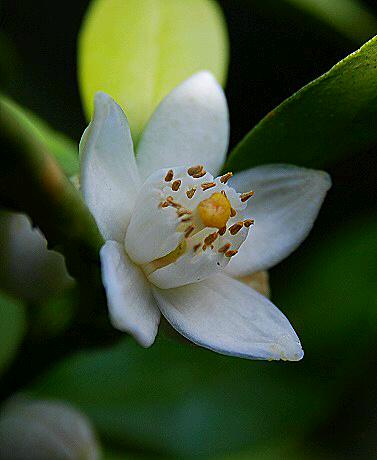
x=232 y=212
x=210 y=238
x=196 y=247
x=173 y=203
x=165 y=204
x=199 y=174
x=190 y=193
x=175 y=185
x=224 y=179
x=186 y=219
x=223 y=193
x=207 y=185
x=234 y=229
x=189 y=231
x=183 y=212
x=245 y=196
x=248 y=222
x=224 y=248
x=169 y=175
x=194 y=170
x=231 y=253
x=222 y=231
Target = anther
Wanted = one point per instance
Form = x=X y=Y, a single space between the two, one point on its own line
x=196 y=247
x=224 y=248
x=210 y=238
x=235 y=228
x=248 y=222
x=194 y=170
x=199 y=174
x=222 y=231
x=189 y=231
x=231 y=253
x=190 y=193
x=232 y=212
x=175 y=185
x=169 y=175
x=207 y=185
x=245 y=196
x=223 y=193
x=224 y=179
x=173 y=203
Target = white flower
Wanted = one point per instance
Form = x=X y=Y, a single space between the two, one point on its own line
x=175 y=235
x=28 y=270
x=45 y=430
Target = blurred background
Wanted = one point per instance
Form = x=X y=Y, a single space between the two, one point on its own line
x=178 y=401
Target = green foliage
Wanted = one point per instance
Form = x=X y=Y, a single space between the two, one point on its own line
x=46 y=195
x=12 y=329
x=181 y=400
x=334 y=294
x=330 y=117
x=350 y=17
x=61 y=147
x=137 y=51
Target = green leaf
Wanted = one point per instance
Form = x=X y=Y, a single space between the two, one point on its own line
x=333 y=295
x=137 y=51
x=12 y=329
x=330 y=117
x=61 y=147
x=31 y=182
x=351 y=18
x=182 y=400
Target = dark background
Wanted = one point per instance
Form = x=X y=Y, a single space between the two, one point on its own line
x=274 y=52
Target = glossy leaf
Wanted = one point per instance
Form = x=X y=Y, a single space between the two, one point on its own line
x=332 y=116
x=138 y=50
x=64 y=149
x=12 y=329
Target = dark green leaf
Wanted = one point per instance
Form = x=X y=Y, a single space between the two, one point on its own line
x=64 y=149
x=12 y=329
x=332 y=116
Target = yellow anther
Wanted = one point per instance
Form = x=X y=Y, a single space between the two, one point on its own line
x=215 y=211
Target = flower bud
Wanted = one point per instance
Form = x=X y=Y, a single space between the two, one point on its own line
x=45 y=430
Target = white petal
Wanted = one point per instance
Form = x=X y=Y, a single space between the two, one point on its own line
x=152 y=230
x=131 y=304
x=109 y=176
x=231 y=318
x=189 y=127
x=28 y=269
x=286 y=203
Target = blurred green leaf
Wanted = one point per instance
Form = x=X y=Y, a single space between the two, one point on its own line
x=138 y=50
x=350 y=17
x=181 y=400
x=64 y=149
x=332 y=116
x=12 y=329
x=31 y=182
x=334 y=295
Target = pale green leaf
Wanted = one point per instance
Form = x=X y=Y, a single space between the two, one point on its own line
x=330 y=117
x=138 y=50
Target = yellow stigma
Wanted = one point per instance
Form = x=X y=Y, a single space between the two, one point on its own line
x=215 y=211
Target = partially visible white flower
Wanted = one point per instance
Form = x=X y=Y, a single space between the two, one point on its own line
x=28 y=270
x=175 y=234
x=45 y=430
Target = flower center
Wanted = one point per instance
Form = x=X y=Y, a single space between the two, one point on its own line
x=186 y=226
x=215 y=211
